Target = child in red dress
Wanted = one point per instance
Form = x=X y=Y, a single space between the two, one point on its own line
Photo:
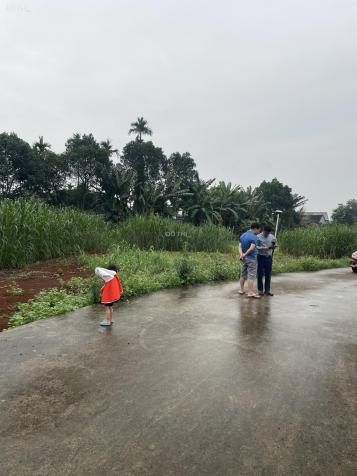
x=110 y=292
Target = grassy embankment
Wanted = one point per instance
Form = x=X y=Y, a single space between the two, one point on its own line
x=152 y=253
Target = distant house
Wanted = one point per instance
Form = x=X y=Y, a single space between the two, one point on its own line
x=315 y=218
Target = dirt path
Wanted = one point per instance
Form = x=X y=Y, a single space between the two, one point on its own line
x=17 y=286
x=188 y=382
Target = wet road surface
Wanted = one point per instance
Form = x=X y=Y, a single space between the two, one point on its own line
x=196 y=381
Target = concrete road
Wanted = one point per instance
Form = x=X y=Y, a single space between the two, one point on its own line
x=196 y=381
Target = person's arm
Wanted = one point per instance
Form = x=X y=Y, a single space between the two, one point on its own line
x=240 y=250
x=105 y=274
x=249 y=250
x=260 y=246
x=273 y=240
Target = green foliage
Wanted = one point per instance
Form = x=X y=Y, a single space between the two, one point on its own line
x=184 y=266
x=32 y=231
x=346 y=214
x=142 y=180
x=16 y=164
x=49 y=172
x=181 y=168
x=278 y=196
x=88 y=163
x=224 y=269
x=139 y=128
x=327 y=241
x=289 y=264
x=147 y=163
x=48 y=303
x=145 y=271
x=151 y=231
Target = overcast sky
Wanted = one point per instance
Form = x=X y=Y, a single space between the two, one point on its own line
x=253 y=89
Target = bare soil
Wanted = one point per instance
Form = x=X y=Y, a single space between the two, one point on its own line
x=20 y=285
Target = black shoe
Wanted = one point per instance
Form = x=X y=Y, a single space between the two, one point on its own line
x=260 y=293
x=269 y=294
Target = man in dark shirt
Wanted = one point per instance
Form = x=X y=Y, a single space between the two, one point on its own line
x=248 y=256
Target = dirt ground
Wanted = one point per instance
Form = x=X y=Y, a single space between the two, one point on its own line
x=20 y=285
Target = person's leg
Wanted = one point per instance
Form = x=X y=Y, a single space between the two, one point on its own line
x=250 y=287
x=264 y=269
x=108 y=313
x=252 y=274
x=243 y=277
x=260 y=273
x=268 y=268
x=242 y=282
x=111 y=314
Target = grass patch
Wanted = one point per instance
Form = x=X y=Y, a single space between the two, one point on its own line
x=152 y=231
x=289 y=264
x=326 y=242
x=142 y=272
x=46 y=304
x=146 y=271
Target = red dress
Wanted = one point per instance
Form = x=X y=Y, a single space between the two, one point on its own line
x=112 y=288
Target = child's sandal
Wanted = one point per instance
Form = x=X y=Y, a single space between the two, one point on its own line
x=105 y=324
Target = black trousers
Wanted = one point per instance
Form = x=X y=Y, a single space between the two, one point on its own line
x=265 y=264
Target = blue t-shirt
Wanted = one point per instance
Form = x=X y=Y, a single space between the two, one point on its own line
x=246 y=240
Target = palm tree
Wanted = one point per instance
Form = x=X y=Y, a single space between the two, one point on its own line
x=256 y=206
x=140 y=128
x=117 y=197
x=41 y=146
x=227 y=201
x=201 y=207
x=157 y=198
x=108 y=147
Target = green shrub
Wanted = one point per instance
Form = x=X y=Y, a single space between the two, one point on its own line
x=225 y=270
x=94 y=287
x=184 y=266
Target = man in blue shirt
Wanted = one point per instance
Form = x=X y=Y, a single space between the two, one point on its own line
x=248 y=256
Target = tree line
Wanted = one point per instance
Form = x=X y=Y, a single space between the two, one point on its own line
x=346 y=213
x=93 y=175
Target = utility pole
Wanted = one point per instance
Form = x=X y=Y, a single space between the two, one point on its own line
x=277 y=213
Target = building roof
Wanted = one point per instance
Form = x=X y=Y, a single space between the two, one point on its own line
x=315 y=217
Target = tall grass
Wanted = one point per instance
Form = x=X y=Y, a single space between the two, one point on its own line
x=32 y=231
x=327 y=241
x=154 y=232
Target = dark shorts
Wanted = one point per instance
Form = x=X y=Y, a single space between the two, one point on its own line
x=109 y=304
